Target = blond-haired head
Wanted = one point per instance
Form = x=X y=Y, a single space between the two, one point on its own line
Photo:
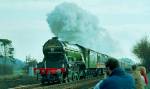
x=142 y=69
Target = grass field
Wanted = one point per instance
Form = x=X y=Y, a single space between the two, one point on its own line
x=9 y=81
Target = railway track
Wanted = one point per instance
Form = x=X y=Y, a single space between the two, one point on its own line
x=80 y=84
x=27 y=86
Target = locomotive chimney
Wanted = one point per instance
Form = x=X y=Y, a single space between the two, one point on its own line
x=55 y=38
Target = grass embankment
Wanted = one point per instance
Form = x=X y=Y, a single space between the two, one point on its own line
x=9 y=81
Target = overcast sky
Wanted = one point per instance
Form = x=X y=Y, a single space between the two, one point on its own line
x=24 y=22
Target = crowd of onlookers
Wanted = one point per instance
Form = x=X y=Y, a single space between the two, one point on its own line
x=118 y=78
x=139 y=74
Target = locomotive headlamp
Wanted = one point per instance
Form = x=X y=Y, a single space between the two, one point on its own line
x=58 y=71
x=49 y=72
x=37 y=71
x=43 y=71
x=52 y=49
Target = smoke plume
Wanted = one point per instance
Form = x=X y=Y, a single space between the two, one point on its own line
x=71 y=23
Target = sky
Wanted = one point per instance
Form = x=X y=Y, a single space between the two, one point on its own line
x=24 y=22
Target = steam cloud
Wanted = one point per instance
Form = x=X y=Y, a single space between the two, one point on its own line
x=71 y=23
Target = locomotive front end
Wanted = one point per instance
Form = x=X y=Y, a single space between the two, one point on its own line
x=53 y=66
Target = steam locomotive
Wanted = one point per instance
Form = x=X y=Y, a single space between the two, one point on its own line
x=64 y=62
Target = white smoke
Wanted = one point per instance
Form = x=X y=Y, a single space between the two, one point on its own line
x=71 y=23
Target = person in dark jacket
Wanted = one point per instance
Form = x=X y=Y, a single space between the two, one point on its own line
x=118 y=78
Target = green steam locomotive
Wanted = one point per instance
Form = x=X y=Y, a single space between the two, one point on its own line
x=65 y=62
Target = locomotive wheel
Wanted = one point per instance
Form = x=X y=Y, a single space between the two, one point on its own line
x=77 y=76
x=70 y=74
x=42 y=81
x=73 y=77
x=61 y=78
x=66 y=80
x=70 y=79
x=82 y=75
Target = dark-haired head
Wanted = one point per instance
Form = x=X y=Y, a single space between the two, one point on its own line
x=112 y=63
x=134 y=67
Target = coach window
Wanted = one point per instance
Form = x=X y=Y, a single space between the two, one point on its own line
x=98 y=58
x=102 y=58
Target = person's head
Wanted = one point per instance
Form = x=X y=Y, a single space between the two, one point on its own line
x=134 y=67
x=111 y=64
x=142 y=70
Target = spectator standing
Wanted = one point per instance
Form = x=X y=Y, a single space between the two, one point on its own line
x=144 y=75
x=118 y=78
x=137 y=77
